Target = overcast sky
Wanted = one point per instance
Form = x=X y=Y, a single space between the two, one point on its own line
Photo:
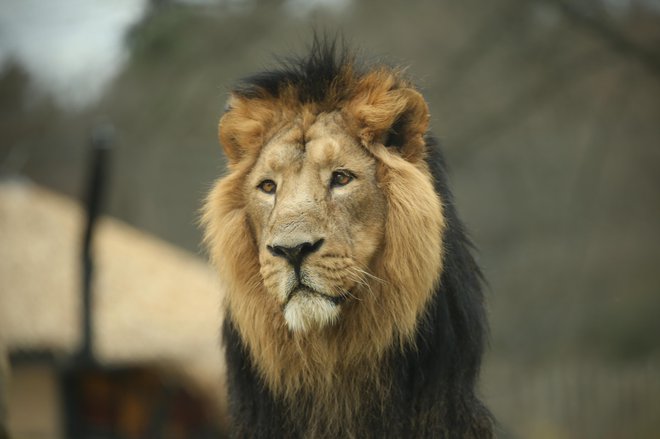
x=72 y=49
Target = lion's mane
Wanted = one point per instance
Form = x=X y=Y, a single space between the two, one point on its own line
x=404 y=363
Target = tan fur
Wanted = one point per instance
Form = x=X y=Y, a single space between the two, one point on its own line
x=391 y=271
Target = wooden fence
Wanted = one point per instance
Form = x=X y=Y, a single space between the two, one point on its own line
x=581 y=401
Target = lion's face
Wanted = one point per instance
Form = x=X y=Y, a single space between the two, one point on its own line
x=317 y=214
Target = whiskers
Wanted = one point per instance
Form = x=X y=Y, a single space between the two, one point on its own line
x=363 y=278
x=339 y=277
x=338 y=290
x=370 y=275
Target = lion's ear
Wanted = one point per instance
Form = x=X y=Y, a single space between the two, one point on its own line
x=243 y=127
x=397 y=117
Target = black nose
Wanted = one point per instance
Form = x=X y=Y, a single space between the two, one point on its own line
x=297 y=253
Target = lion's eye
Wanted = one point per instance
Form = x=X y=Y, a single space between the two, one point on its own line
x=267 y=186
x=341 y=178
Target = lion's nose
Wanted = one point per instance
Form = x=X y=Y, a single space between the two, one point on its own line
x=295 y=254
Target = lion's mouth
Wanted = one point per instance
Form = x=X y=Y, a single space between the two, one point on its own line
x=302 y=289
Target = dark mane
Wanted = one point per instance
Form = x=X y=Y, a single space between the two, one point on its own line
x=454 y=333
x=314 y=76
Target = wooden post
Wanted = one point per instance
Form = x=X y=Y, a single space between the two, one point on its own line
x=101 y=145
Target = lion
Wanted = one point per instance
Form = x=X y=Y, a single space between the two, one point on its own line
x=353 y=305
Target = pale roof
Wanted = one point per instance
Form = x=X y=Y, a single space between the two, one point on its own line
x=154 y=303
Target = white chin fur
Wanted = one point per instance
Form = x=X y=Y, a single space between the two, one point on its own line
x=306 y=311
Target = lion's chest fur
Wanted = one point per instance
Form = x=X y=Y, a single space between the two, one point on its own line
x=340 y=399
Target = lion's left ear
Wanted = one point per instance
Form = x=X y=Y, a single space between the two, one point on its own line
x=397 y=117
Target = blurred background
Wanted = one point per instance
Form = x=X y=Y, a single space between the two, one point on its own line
x=549 y=111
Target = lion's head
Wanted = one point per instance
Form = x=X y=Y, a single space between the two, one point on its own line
x=327 y=230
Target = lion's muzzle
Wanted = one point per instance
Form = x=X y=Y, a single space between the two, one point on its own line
x=308 y=299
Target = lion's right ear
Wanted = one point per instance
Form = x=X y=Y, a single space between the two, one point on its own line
x=242 y=129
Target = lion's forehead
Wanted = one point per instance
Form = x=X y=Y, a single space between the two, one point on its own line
x=324 y=143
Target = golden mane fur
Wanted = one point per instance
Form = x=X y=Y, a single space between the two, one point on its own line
x=402 y=274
